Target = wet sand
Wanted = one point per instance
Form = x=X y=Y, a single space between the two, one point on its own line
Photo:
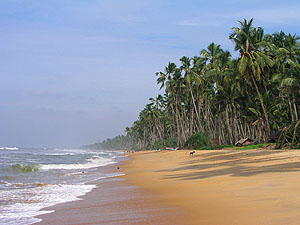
x=112 y=202
x=224 y=186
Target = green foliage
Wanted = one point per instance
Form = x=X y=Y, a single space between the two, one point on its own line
x=215 y=147
x=289 y=136
x=227 y=98
x=119 y=142
x=218 y=147
x=171 y=142
x=250 y=147
x=197 y=140
x=158 y=144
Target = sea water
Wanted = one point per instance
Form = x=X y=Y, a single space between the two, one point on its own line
x=32 y=179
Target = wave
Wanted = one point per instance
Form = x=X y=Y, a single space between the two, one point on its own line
x=9 y=148
x=3 y=182
x=91 y=163
x=19 y=167
x=25 y=204
x=71 y=151
x=59 y=154
x=7 y=178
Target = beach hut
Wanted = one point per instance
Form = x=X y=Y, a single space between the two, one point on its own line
x=243 y=142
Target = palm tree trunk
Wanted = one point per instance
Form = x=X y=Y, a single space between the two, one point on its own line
x=161 y=135
x=195 y=107
x=201 y=115
x=228 y=125
x=177 y=125
x=295 y=108
x=207 y=119
x=263 y=108
x=291 y=110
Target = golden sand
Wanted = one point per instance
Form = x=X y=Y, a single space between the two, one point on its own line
x=113 y=202
x=224 y=186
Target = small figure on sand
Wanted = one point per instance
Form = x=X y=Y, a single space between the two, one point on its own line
x=192 y=153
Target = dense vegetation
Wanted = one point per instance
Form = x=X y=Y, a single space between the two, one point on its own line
x=221 y=97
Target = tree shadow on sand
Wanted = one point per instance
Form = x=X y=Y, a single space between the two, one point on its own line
x=233 y=163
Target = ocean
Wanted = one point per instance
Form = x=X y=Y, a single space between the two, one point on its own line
x=32 y=179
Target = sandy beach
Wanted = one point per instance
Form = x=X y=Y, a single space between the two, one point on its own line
x=211 y=188
x=224 y=186
x=113 y=202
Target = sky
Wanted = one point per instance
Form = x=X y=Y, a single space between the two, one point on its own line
x=75 y=72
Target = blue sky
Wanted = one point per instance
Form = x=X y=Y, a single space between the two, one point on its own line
x=74 y=72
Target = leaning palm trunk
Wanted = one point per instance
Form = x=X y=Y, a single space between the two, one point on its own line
x=175 y=113
x=196 y=110
x=160 y=133
x=230 y=138
x=291 y=110
x=207 y=115
x=295 y=108
x=263 y=108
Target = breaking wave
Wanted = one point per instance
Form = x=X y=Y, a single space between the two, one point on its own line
x=25 y=168
x=29 y=202
x=91 y=163
x=9 y=148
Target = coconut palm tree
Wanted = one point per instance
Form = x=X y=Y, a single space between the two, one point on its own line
x=253 y=60
x=286 y=55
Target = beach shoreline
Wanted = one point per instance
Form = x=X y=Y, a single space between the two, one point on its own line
x=211 y=187
x=112 y=201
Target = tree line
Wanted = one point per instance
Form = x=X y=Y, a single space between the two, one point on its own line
x=225 y=98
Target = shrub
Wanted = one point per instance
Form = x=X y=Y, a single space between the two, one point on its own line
x=217 y=147
x=296 y=147
x=171 y=142
x=198 y=140
x=158 y=144
x=247 y=147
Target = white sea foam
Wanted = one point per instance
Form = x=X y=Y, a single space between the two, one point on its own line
x=9 y=148
x=30 y=201
x=72 y=151
x=96 y=161
x=21 y=199
x=61 y=154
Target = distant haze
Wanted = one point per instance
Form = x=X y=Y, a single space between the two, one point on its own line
x=74 y=72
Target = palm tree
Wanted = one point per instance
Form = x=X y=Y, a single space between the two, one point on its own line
x=287 y=54
x=164 y=77
x=221 y=96
x=253 y=60
x=191 y=78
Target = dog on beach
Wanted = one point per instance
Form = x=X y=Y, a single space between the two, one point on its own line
x=192 y=153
